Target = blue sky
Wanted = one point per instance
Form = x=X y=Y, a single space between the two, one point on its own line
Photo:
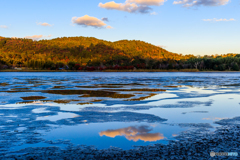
x=181 y=26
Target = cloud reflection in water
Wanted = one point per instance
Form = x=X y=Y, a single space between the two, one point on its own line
x=134 y=133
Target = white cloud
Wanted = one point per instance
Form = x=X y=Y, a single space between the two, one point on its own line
x=147 y=2
x=119 y=6
x=89 y=21
x=37 y=37
x=153 y=13
x=3 y=26
x=191 y=3
x=44 y=24
x=132 y=6
x=219 y=20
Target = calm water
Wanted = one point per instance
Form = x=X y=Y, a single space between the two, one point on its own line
x=111 y=109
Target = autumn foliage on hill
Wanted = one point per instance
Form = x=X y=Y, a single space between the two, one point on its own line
x=89 y=53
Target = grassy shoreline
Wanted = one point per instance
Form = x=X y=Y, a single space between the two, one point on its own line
x=139 y=70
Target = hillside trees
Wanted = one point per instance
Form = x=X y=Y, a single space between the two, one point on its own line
x=76 y=52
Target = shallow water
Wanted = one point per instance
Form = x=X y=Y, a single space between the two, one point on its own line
x=111 y=109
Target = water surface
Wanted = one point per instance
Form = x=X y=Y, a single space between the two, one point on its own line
x=111 y=109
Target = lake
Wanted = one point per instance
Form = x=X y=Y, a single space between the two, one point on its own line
x=111 y=109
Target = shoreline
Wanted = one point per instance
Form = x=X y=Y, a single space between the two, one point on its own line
x=140 y=70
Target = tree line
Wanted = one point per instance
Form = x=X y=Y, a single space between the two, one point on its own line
x=88 y=53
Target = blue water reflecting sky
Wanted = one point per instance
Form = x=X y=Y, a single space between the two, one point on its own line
x=191 y=101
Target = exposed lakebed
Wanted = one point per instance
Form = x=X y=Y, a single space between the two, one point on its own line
x=112 y=109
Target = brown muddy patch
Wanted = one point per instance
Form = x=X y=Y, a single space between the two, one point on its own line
x=87 y=87
x=80 y=81
x=20 y=83
x=84 y=103
x=230 y=85
x=125 y=84
x=4 y=84
x=109 y=86
x=85 y=95
x=113 y=85
x=19 y=89
x=171 y=86
x=90 y=93
x=27 y=102
x=97 y=100
x=142 y=98
x=59 y=83
x=47 y=101
x=36 y=82
x=59 y=87
x=190 y=81
x=64 y=101
x=143 y=90
x=99 y=86
x=33 y=98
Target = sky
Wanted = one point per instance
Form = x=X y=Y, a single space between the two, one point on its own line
x=199 y=27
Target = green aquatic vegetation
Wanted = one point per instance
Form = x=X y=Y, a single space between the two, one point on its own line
x=33 y=98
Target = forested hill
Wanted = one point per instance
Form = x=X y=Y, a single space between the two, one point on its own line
x=79 y=49
x=84 y=52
